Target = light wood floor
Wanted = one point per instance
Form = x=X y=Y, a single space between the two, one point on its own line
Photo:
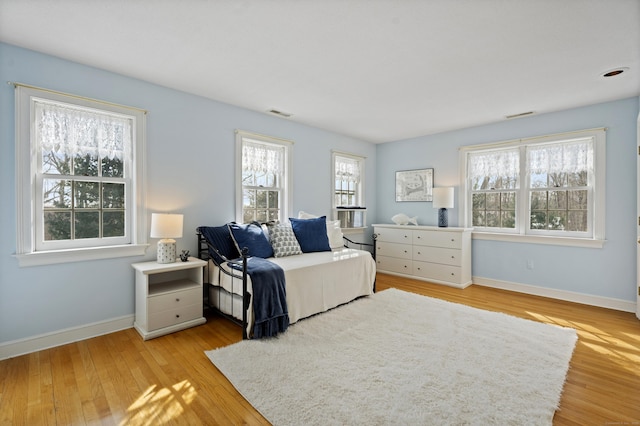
x=119 y=379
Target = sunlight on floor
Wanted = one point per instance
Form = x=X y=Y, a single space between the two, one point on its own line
x=625 y=354
x=160 y=405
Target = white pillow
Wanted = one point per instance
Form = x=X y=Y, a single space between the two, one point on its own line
x=334 y=233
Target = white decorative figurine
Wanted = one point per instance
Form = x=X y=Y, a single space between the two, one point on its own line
x=403 y=219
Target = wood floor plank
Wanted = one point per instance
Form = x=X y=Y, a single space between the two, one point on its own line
x=120 y=379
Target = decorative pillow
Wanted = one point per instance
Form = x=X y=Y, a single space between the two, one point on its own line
x=311 y=234
x=252 y=237
x=283 y=240
x=220 y=238
x=334 y=232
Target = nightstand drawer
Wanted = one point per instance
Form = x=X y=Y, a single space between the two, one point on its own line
x=174 y=316
x=175 y=299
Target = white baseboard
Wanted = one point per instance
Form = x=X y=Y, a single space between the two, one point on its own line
x=570 y=296
x=62 y=337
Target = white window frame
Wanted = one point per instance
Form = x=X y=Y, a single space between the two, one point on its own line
x=596 y=215
x=285 y=189
x=359 y=187
x=30 y=250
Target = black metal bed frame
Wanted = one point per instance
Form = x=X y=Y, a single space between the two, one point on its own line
x=240 y=265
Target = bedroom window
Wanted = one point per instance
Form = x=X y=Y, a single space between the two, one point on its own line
x=79 y=188
x=548 y=189
x=348 y=189
x=263 y=180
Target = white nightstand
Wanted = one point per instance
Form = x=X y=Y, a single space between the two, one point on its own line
x=168 y=297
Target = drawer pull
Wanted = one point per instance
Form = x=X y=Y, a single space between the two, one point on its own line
x=452 y=274
x=405 y=251
x=453 y=257
x=177 y=299
x=453 y=239
x=177 y=315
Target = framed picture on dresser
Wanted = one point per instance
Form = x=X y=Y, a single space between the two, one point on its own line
x=414 y=185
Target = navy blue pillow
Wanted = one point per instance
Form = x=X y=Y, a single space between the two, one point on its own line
x=220 y=238
x=252 y=237
x=311 y=234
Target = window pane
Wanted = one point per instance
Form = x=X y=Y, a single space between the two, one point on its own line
x=87 y=195
x=492 y=219
x=557 y=220
x=493 y=201
x=55 y=163
x=261 y=216
x=578 y=200
x=56 y=193
x=538 y=220
x=508 y=200
x=261 y=199
x=538 y=200
x=578 y=179
x=249 y=198
x=479 y=201
x=87 y=225
x=112 y=167
x=538 y=180
x=85 y=165
x=508 y=219
x=557 y=180
x=273 y=199
x=113 y=195
x=273 y=214
x=478 y=218
x=558 y=200
x=57 y=226
x=577 y=221
x=113 y=224
x=248 y=215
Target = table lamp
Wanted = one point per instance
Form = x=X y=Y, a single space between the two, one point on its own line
x=443 y=200
x=166 y=226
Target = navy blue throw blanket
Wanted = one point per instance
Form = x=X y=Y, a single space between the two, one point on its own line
x=269 y=297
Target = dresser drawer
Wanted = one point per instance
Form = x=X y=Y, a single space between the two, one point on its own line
x=436 y=271
x=403 y=251
x=438 y=239
x=438 y=255
x=402 y=236
x=174 y=316
x=174 y=299
x=394 y=264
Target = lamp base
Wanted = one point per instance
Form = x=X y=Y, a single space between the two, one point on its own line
x=166 y=251
x=443 y=219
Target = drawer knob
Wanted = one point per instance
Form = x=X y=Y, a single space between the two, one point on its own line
x=177 y=299
x=453 y=274
x=405 y=266
x=452 y=239
x=453 y=257
x=177 y=315
x=405 y=251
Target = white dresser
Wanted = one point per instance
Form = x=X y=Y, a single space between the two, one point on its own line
x=168 y=296
x=428 y=253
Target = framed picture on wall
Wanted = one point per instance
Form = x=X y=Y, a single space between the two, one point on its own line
x=414 y=185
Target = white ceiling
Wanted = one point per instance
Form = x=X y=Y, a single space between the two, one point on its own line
x=377 y=70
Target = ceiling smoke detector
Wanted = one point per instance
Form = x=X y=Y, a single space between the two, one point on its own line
x=614 y=72
x=279 y=113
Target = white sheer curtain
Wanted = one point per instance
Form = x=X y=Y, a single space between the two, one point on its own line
x=566 y=157
x=347 y=169
x=504 y=164
x=75 y=131
x=262 y=158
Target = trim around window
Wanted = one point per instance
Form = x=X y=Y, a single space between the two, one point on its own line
x=27 y=253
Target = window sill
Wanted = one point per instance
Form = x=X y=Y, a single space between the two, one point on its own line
x=359 y=230
x=536 y=239
x=78 y=255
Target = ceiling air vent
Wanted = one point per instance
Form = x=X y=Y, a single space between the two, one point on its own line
x=279 y=113
x=522 y=114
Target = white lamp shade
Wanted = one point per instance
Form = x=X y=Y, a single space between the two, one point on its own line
x=443 y=198
x=164 y=225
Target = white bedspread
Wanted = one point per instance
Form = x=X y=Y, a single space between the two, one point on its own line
x=315 y=282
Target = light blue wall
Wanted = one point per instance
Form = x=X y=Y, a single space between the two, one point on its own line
x=190 y=157
x=608 y=272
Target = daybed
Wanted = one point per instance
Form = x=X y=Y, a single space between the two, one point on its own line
x=320 y=273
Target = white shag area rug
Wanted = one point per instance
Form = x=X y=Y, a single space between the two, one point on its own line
x=397 y=358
